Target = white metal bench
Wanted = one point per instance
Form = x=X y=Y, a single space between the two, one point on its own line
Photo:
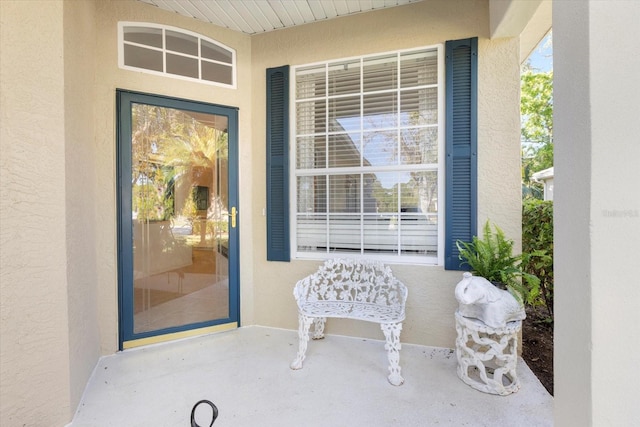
x=353 y=289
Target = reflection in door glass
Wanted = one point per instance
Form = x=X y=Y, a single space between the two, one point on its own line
x=180 y=217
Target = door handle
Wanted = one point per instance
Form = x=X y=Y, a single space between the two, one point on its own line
x=232 y=215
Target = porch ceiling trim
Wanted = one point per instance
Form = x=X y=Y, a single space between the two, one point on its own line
x=508 y=18
x=530 y=20
x=538 y=27
x=259 y=16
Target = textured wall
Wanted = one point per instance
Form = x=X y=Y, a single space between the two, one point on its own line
x=499 y=174
x=34 y=348
x=81 y=196
x=431 y=301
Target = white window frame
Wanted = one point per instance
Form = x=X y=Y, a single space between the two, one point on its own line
x=391 y=258
x=164 y=28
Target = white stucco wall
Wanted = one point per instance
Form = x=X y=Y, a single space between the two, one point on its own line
x=431 y=302
x=33 y=260
x=499 y=174
x=597 y=213
x=81 y=207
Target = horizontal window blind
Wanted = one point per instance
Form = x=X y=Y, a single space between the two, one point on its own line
x=367 y=139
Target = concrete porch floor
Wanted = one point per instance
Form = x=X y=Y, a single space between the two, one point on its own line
x=343 y=382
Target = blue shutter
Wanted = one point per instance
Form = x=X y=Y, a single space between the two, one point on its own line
x=278 y=164
x=461 y=146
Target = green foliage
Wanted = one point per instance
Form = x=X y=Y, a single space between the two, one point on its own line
x=536 y=106
x=153 y=197
x=492 y=258
x=537 y=242
x=536 y=109
x=189 y=211
x=170 y=146
x=532 y=190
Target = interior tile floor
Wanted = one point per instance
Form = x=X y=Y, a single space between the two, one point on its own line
x=245 y=372
x=192 y=304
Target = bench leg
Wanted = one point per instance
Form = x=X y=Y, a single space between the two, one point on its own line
x=318 y=327
x=392 y=335
x=304 y=323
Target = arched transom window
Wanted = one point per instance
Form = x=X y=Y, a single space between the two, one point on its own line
x=174 y=52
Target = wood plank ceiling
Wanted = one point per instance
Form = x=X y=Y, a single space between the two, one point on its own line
x=259 y=16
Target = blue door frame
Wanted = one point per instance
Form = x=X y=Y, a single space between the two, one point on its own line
x=124 y=101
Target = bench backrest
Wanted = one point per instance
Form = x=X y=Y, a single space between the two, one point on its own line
x=349 y=280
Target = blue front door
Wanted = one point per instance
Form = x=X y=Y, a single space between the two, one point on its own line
x=178 y=218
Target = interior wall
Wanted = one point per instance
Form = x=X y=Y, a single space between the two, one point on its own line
x=597 y=213
x=34 y=348
x=431 y=301
x=108 y=78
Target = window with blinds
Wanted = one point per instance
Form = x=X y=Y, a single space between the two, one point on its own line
x=368 y=137
x=175 y=52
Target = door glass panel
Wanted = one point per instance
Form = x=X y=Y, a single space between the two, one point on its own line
x=180 y=217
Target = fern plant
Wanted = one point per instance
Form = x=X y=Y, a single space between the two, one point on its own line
x=492 y=257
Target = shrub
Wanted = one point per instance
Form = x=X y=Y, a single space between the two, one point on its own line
x=537 y=243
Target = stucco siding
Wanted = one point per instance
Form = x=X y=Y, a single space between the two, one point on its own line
x=499 y=174
x=81 y=159
x=33 y=260
x=431 y=302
